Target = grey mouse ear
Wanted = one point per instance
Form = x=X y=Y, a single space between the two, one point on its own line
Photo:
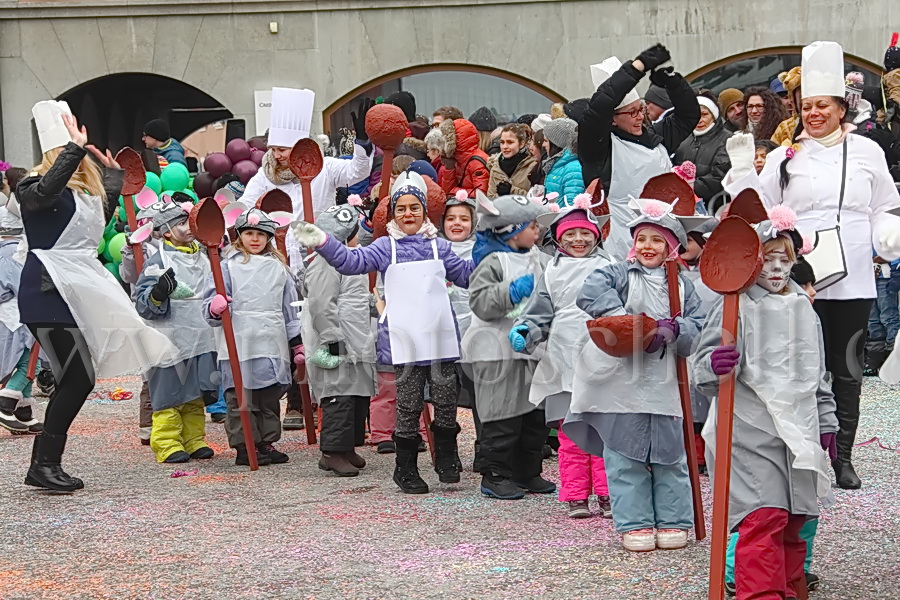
x=485 y=205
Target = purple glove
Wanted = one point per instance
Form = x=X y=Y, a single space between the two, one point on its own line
x=667 y=331
x=724 y=359
x=829 y=442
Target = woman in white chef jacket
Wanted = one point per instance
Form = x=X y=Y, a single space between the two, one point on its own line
x=75 y=308
x=831 y=179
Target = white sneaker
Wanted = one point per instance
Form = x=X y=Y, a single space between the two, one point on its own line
x=639 y=540
x=671 y=539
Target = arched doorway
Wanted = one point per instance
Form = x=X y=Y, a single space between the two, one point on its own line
x=115 y=107
x=465 y=86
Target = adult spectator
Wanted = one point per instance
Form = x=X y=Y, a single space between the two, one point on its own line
x=731 y=107
x=657 y=103
x=445 y=113
x=465 y=165
x=158 y=138
x=562 y=170
x=791 y=82
x=706 y=149
x=765 y=112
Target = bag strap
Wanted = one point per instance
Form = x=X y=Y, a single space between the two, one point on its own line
x=843 y=181
x=468 y=162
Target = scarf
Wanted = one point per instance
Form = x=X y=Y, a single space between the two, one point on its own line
x=509 y=165
x=832 y=139
x=276 y=173
x=427 y=230
x=550 y=161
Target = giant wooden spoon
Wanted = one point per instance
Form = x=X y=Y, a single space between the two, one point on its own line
x=135 y=178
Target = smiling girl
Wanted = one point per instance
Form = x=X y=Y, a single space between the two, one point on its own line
x=511 y=170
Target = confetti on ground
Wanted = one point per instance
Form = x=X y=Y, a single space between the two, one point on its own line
x=293 y=532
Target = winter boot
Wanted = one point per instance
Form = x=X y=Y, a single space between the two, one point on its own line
x=337 y=463
x=25 y=415
x=276 y=457
x=445 y=457
x=243 y=458
x=46 y=469
x=501 y=488
x=846 y=395
x=46 y=382
x=386 y=447
x=356 y=460
x=406 y=471
x=8 y=401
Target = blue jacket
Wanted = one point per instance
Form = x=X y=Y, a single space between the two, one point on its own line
x=172 y=152
x=565 y=178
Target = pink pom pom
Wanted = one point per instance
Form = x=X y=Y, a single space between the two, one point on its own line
x=687 y=171
x=655 y=209
x=253 y=219
x=4 y=166
x=783 y=218
x=855 y=77
x=462 y=195
x=553 y=207
x=582 y=201
x=894 y=38
x=790 y=152
x=186 y=206
x=354 y=200
x=807 y=246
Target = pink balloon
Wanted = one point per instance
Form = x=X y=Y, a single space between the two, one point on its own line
x=257 y=142
x=245 y=170
x=217 y=164
x=256 y=156
x=237 y=150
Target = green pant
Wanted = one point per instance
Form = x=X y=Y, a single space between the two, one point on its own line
x=807 y=534
x=18 y=380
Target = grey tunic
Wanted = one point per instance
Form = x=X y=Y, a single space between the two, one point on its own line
x=12 y=343
x=708 y=298
x=762 y=475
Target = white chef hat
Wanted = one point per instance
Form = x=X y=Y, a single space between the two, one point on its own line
x=291 y=116
x=822 y=70
x=52 y=133
x=603 y=71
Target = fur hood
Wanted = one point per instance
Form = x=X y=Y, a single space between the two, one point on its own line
x=460 y=137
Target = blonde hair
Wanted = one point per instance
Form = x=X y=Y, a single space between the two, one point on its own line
x=485 y=139
x=87 y=177
x=781 y=243
x=271 y=248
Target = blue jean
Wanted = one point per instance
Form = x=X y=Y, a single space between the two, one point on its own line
x=884 y=320
x=647 y=495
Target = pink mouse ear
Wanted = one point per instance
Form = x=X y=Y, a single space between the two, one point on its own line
x=165 y=198
x=141 y=233
x=146 y=197
x=283 y=218
x=232 y=212
x=224 y=197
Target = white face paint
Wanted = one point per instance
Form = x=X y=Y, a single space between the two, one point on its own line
x=776 y=271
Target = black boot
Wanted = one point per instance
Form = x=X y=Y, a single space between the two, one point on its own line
x=846 y=395
x=8 y=418
x=445 y=457
x=45 y=470
x=406 y=473
x=25 y=415
x=876 y=353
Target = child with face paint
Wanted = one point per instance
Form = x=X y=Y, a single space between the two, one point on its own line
x=259 y=290
x=628 y=409
x=551 y=315
x=168 y=294
x=784 y=417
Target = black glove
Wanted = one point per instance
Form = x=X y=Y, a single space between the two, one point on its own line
x=664 y=78
x=337 y=349
x=654 y=56
x=504 y=188
x=359 y=118
x=164 y=287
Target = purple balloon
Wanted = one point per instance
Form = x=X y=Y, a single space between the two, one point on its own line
x=258 y=142
x=245 y=170
x=237 y=150
x=217 y=164
x=203 y=185
x=256 y=156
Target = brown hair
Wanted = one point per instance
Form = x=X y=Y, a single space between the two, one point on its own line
x=523 y=132
x=774 y=112
x=14 y=176
x=781 y=243
x=448 y=112
x=400 y=164
x=271 y=248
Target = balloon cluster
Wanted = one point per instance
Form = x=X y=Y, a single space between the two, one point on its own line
x=241 y=160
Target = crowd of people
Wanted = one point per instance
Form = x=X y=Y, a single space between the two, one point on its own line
x=480 y=300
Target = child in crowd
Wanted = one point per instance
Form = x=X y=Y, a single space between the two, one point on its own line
x=507 y=263
x=259 y=292
x=337 y=328
x=637 y=419
x=551 y=315
x=168 y=294
x=784 y=417
x=763 y=147
x=884 y=319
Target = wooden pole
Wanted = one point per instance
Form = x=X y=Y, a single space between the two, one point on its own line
x=308 y=417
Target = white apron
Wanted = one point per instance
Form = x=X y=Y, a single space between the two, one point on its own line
x=420 y=322
x=555 y=371
x=643 y=383
x=9 y=314
x=459 y=297
x=257 y=291
x=186 y=325
x=632 y=166
x=119 y=340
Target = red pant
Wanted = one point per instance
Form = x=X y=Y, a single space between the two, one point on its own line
x=768 y=559
x=580 y=474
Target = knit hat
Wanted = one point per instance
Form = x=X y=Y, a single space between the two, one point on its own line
x=236 y=188
x=802 y=272
x=709 y=105
x=158 y=130
x=483 y=119
x=561 y=132
x=791 y=79
x=576 y=108
x=574 y=219
x=406 y=102
x=506 y=214
x=659 y=215
x=892 y=55
x=728 y=97
x=527 y=119
x=687 y=171
x=423 y=168
x=434 y=140
x=409 y=183
x=340 y=221
x=853 y=88
x=256 y=219
x=540 y=122
x=658 y=96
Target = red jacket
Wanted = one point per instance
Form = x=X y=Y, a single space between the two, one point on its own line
x=472 y=172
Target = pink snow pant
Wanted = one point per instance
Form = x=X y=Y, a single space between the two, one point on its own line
x=580 y=474
x=383 y=410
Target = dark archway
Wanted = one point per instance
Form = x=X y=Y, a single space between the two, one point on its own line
x=115 y=107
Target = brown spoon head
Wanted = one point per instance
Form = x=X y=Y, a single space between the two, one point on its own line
x=273 y=201
x=386 y=126
x=622 y=336
x=306 y=159
x=748 y=206
x=135 y=176
x=207 y=223
x=732 y=258
x=671 y=189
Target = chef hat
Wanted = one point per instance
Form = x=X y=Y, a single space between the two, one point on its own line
x=603 y=71
x=822 y=70
x=291 y=116
x=52 y=132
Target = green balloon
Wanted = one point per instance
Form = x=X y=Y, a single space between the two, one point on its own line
x=113 y=267
x=192 y=194
x=153 y=182
x=115 y=246
x=191 y=184
x=122 y=201
x=175 y=177
x=102 y=247
x=106 y=257
x=123 y=216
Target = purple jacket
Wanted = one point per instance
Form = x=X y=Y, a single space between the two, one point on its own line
x=377 y=257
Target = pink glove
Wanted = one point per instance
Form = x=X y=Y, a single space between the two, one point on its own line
x=724 y=359
x=667 y=331
x=218 y=305
x=829 y=442
x=299 y=354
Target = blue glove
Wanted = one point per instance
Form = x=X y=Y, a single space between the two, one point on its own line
x=517 y=337
x=521 y=288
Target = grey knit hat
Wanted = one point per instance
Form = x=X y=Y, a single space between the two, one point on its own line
x=561 y=132
x=256 y=219
x=483 y=119
x=341 y=221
